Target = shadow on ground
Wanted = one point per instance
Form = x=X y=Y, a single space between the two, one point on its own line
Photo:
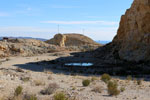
x=98 y=68
x=57 y=65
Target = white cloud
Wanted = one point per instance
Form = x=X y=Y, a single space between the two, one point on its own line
x=24 y=29
x=81 y=22
x=63 y=6
x=2 y=14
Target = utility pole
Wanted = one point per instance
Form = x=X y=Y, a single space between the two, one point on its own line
x=83 y=31
x=58 y=28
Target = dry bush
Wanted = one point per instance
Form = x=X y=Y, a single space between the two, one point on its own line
x=25 y=79
x=60 y=96
x=94 y=78
x=97 y=89
x=38 y=82
x=18 y=91
x=19 y=70
x=50 y=77
x=139 y=82
x=129 y=77
x=113 y=88
x=122 y=89
x=52 y=87
x=29 y=97
x=48 y=71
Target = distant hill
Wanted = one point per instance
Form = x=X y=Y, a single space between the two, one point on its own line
x=41 y=39
x=102 y=42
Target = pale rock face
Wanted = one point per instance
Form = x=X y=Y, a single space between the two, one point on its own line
x=133 y=36
x=63 y=40
x=60 y=40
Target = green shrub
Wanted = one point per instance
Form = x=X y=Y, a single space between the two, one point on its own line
x=106 y=78
x=18 y=91
x=129 y=77
x=86 y=82
x=113 y=88
x=60 y=96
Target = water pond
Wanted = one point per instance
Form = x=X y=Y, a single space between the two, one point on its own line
x=79 y=64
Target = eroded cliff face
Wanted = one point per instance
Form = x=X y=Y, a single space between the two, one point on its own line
x=133 y=36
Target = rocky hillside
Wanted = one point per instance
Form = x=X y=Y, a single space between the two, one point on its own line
x=132 y=42
x=25 y=47
x=73 y=40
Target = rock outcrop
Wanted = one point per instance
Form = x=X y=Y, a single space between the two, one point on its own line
x=74 y=42
x=26 y=47
x=71 y=40
x=132 y=42
x=59 y=40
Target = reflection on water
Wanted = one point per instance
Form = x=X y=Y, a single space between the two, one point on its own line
x=79 y=64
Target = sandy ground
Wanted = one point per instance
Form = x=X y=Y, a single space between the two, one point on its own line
x=10 y=78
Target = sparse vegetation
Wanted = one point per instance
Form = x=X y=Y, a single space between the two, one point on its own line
x=38 y=82
x=113 y=88
x=73 y=88
x=52 y=87
x=25 y=79
x=19 y=70
x=18 y=91
x=129 y=77
x=106 y=78
x=30 y=97
x=7 y=59
x=50 y=78
x=86 y=82
x=97 y=89
x=94 y=78
x=60 y=96
x=122 y=89
x=139 y=82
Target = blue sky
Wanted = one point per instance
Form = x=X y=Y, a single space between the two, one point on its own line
x=40 y=18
